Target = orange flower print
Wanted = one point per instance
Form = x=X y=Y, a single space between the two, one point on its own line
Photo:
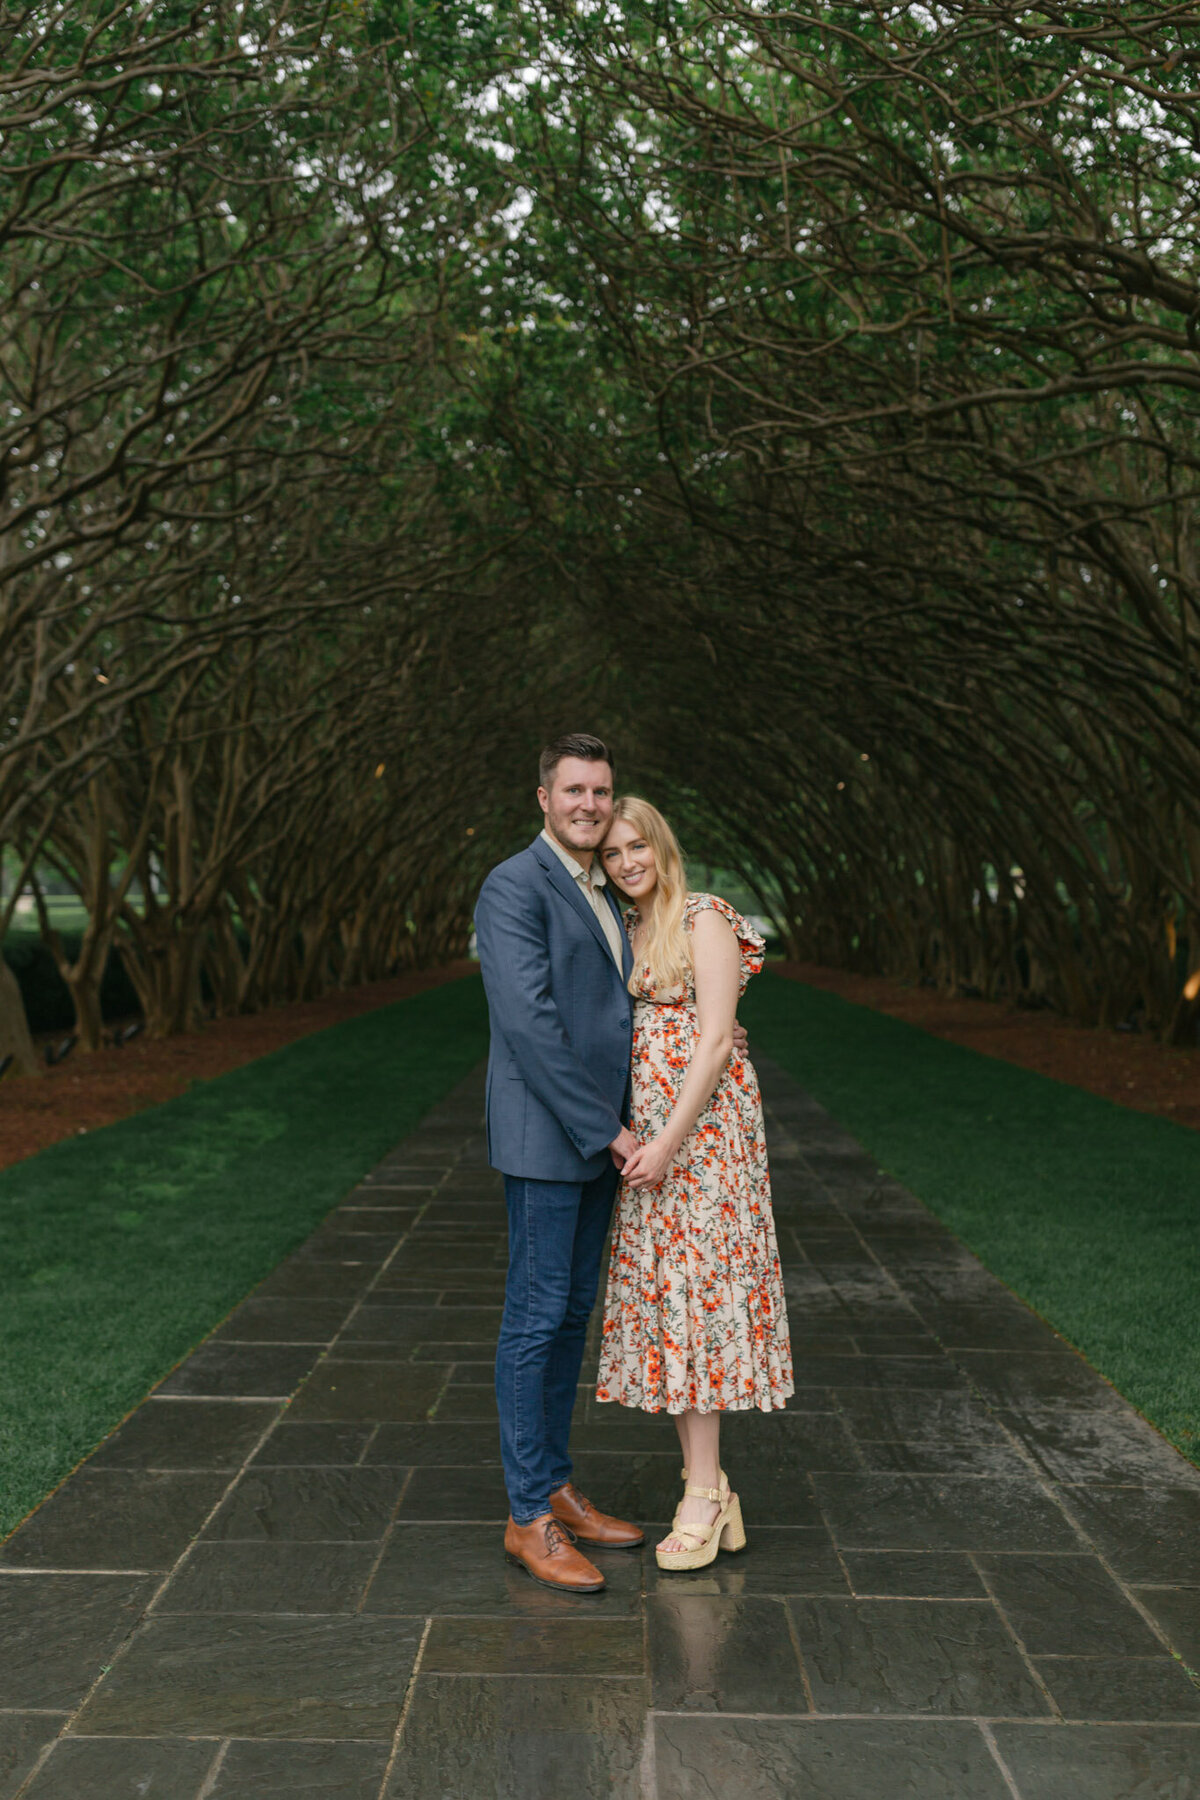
x=694 y=1315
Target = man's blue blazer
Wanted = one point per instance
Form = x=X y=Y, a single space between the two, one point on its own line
x=561 y=1017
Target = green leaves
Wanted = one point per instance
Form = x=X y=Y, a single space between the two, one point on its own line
x=404 y=384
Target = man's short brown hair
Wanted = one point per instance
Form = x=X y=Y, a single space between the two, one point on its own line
x=576 y=743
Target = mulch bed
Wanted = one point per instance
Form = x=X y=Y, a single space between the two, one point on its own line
x=1123 y=1066
x=85 y=1092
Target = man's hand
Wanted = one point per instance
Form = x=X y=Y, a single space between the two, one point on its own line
x=623 y=1146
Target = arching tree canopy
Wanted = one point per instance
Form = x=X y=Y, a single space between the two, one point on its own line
x=804 y=398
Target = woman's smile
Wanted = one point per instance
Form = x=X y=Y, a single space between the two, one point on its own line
x=628 y=859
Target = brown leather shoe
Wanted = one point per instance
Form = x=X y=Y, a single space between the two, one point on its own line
x=544 y=1549
x=576 y=1512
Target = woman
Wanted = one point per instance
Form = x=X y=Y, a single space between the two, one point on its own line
x=694 y=1317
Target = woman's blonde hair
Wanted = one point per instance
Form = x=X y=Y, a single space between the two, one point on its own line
x=667 y=949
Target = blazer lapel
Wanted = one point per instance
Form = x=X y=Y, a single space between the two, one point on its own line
x=626 y=946
x=570 y=891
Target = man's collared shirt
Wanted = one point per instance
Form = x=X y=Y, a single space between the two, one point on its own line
x=595 y=899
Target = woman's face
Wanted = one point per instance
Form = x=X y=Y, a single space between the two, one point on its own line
x=628 y=860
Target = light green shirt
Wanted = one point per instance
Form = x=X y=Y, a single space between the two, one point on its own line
x=592 y=893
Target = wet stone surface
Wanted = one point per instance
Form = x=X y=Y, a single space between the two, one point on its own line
x=768 y=1759
x=117 y=1519
x=973 y=1572
x=24 y=1737
x=122 y=1768
x=253 y=1770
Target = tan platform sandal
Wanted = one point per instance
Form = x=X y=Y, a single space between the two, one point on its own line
x=726 y=1532
x=724 y=1494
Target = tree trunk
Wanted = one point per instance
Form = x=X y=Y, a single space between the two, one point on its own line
x=15 y=1040
x=84 y=988
x=82 y=978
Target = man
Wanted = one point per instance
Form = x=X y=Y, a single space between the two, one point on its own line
x=555 y=961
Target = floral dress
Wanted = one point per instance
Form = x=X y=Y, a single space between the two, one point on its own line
x=694 y=1316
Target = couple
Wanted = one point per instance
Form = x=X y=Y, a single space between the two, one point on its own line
x=596 y=1021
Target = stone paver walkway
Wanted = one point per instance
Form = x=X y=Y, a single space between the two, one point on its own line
x=973 y=1572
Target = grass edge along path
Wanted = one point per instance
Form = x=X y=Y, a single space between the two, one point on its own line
x=119 y=1251
x=1088 y=1210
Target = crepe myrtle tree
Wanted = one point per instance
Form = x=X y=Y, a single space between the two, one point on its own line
x=222 y=242
x=808 y=402
x=896 y=309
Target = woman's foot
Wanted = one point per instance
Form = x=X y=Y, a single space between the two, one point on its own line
x=696 y=1513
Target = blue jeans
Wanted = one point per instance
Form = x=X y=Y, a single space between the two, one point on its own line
x=556 y=1237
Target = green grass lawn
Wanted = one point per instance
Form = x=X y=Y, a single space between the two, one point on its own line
x=120 y=1250
x=1089 y=1211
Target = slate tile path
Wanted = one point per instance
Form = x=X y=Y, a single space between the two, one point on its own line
x=973 y=1572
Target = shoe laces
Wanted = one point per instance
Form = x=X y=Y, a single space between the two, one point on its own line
x=558 y=1536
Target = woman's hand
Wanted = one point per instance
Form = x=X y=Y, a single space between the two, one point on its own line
x=649 y=1163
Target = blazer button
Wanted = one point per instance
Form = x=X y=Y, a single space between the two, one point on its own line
x=624 y=1021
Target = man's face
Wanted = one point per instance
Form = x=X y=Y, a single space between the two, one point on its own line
x=578 y=804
